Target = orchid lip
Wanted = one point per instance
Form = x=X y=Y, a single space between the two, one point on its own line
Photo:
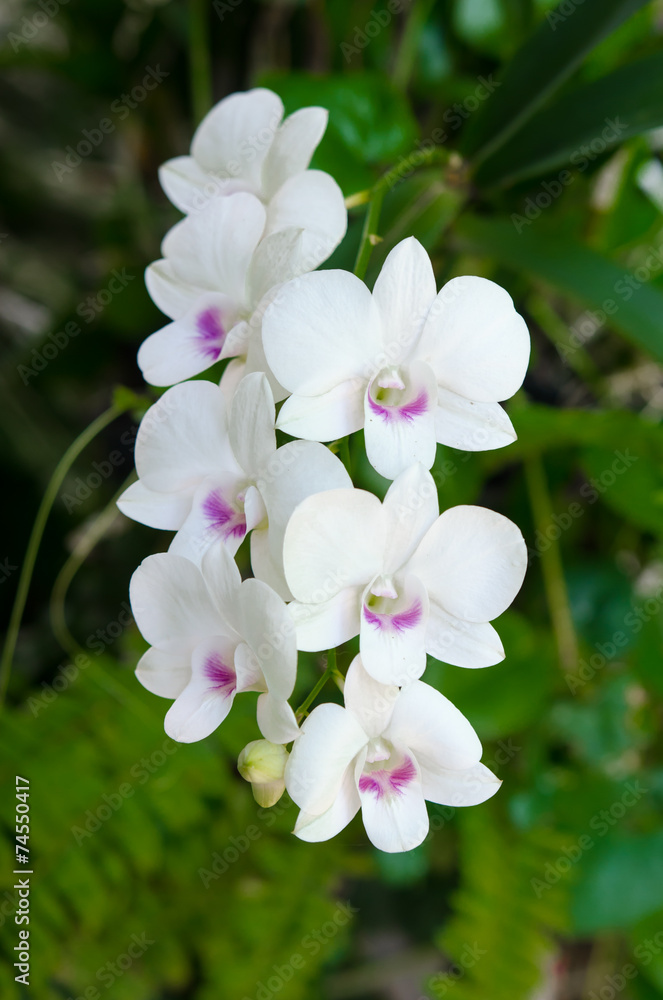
x=222 y=677
x=388 y=781
x=395 y=397
x=211 y=332
x=222 y=516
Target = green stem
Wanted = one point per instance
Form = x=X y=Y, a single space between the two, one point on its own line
x=330 y=669
x=58 y=477
x=86 y=543
x=200 y=63
x=551 y=566
x=369 y=236
x=407 y=50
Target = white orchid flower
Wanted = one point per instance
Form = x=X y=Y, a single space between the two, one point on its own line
x=408 y=581
x=410 y=366
x=213 y=637
x=214 y=476
x=217 y=274
x=243 y=144
x=386 y=753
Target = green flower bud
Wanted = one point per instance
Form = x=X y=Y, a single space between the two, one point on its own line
x=263 y=765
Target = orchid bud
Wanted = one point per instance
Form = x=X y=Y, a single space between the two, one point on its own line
x=263 y=764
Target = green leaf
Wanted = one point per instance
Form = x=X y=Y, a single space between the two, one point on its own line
x=621 y=880
x=633 y=307
x=554 y=51
x=583 y=124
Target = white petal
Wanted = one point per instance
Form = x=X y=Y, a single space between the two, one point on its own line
x=234 y=138
x=333 y=540
x=459 y=788
x=212 y=250
x=171 y=604
x=311 y=201
x=468 y=426
x=216 y=516
x=327 y=625
x=208 y=697
x=222 y=579
x=158 y=510
x=411 y=506
x=267 y=628
x=189 y=187
x=265 y=567
x=472 y=562
x=170 y=293
x=321 y=329
x=232 y=376
x=400 y=434
x=433 y=729
x=184 y=438
x=399 y=821
x=345 y=807
x=369 y=701
x=296 y=471
x=278 y=258
x=190 y=344
x=465 y=644
x=276 y=719
x=293 y=146
x=393 y=642
x=404 y=291
x=330 y=739
x=331 y=415
x=251 y=424
x=162 y=673
x=475 y=341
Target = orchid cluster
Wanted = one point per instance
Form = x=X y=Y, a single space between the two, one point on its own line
x=318 y=357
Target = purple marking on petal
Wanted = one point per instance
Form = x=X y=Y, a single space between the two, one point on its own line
x=223 y=678
x=381 y=781
x=211 y=333
x=399 y=622
x=415 y=408
x=223 y=517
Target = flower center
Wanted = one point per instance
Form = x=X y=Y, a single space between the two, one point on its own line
x=225 y=515
x=222 y=678
x=211 y=332
x=386 y=608
x=393 y=396
x=387 y=772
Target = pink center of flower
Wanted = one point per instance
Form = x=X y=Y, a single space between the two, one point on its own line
x=211 y=334
x=223 y=678
x=223 y=516
x=382 y=781
x=390 y=397
x=398 y=621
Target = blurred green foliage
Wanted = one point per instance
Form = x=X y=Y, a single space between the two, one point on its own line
x=555 y=888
